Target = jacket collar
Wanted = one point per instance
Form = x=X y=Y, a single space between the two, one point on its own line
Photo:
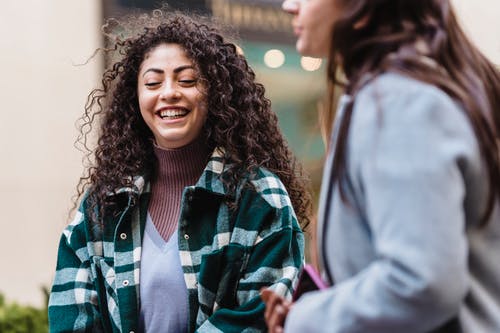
x=210 y=179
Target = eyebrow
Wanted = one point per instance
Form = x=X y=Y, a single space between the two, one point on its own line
x=161 y=71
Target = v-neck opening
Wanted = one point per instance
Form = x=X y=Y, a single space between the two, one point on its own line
x=155 y=237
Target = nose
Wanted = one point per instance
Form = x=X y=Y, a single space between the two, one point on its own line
x=291 y=6
x=170 y=92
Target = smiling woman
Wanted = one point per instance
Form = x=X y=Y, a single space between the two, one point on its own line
x=193 y=192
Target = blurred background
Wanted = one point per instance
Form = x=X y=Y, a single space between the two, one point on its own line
x=43 y=89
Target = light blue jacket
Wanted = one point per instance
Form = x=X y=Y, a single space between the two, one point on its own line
x=407 y=255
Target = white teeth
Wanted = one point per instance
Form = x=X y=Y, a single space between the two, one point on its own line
x=173 y=113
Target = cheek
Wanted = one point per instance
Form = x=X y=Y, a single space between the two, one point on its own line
x=201 y=103
x=146 y=101
x=318 y=40
x=145 y=110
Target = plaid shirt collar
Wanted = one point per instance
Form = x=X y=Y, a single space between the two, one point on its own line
x=210 y=179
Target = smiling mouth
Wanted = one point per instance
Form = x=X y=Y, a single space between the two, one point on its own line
x=172 y=113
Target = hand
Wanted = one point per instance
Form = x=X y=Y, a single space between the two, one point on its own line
x=277 y=309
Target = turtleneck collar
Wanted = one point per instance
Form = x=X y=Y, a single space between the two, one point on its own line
x=181 y=166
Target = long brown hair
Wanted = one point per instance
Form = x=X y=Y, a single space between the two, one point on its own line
x=423 y=40
x=240 y=119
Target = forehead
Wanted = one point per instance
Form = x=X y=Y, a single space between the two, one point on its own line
x=165 y=56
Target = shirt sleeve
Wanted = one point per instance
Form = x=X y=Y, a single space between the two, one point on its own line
x=73 y=303
x=409 y=148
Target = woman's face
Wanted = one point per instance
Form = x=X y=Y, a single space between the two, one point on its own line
x=312 y=24
x=171 y=96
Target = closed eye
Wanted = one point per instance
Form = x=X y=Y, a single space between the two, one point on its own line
x=152 y=84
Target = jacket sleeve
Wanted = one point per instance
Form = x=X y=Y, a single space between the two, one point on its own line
x=410 y=149
x=73 y=299
x=274 y=260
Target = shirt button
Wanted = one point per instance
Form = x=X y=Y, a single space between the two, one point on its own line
x=125 y=283
x=186 y=236
x=123 y=236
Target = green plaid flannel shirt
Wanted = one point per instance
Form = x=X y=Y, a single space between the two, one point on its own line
x=226 y=256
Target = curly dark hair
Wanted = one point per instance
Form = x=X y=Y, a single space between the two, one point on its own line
x=240 y=119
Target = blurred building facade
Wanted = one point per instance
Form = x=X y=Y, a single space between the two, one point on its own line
x=43 y=91
x=44 y=88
